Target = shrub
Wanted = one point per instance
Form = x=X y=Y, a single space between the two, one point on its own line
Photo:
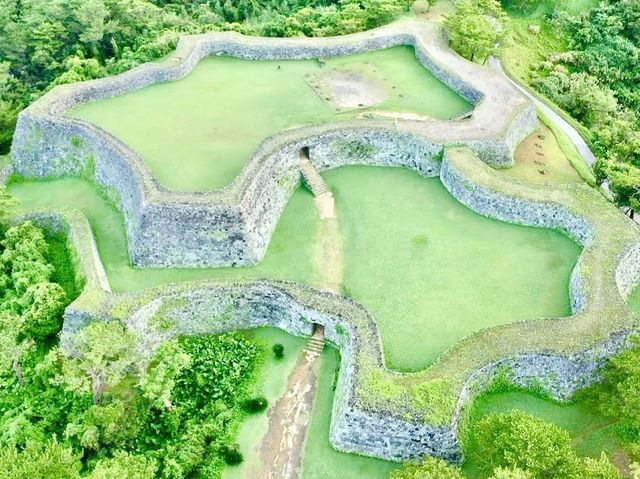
x=512 y=473
x=231 y=455
x=430 y=468
x=220 y=368
x=516 y=439
x=278 y=351
x=618 y=393
x=124 y=465
x=255 y=405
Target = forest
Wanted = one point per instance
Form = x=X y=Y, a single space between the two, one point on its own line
x=590 y=68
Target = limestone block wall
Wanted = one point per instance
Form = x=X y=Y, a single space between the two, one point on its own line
x=514 y=210
x=215 y=307
x=233 y=225
x=558 y=376
x=218 y=309
x=376 y=148
x=628 y=270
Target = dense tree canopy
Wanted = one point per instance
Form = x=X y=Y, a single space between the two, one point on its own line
x=429 y=468
x=597 y=80
x=475 y=27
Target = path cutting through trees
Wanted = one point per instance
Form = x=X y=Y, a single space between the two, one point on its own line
x=282 y=448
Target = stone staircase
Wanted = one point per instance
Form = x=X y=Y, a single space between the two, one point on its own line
x=312 y=177
x=315 y=346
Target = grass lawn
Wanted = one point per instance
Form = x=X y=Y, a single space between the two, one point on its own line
x=289 y=255
x=197 y=133
x=634 y=300
x=540 y=159
x=414 y=257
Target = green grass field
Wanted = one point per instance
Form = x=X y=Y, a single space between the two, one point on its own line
x=198 y=132
x=289 y=255
x=429 y=269
x=432 y=271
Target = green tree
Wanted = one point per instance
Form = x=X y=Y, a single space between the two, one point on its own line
x=601 y=468
x=31 y=306
x=37 y=460
x=158 y=381
x=624 y=182
x=510 y=473
x=429 y=468
x=7 y=202
x=100 y=356
x=516 y=439
x=618 y=395
x=124 y=465
x=475 y=28
x=111 y=425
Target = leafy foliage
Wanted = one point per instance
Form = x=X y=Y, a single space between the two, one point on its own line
x=475 y=27
x=510 y=473
x=39 y=459
x=99 y=409
x=217 y=370
x=278 y=351
x=429 y=468
x=538 y=449
x=232 y=456
x=618 y=395
x=100 y=356
x=597 y=81
x=255 y=405
x=124 y=465
x=31 y=305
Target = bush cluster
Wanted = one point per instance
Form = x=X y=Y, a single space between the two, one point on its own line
x=104 y=411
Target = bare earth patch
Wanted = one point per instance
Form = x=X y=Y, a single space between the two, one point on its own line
x=282 y=446
x=539 y=159
x=347 y=89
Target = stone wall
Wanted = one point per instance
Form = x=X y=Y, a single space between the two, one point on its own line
x=233 y=225
x=514 y=210
x=218 y=309
x=628 y=270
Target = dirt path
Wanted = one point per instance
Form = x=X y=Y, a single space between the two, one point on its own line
x=282 y=448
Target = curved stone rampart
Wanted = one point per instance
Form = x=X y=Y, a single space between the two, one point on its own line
x=396 y=416
x=233 y=225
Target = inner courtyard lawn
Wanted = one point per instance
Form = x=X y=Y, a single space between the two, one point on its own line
x=196 y=133
x=430 y=270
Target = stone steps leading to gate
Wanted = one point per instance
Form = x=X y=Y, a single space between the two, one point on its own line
x=311 y=176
